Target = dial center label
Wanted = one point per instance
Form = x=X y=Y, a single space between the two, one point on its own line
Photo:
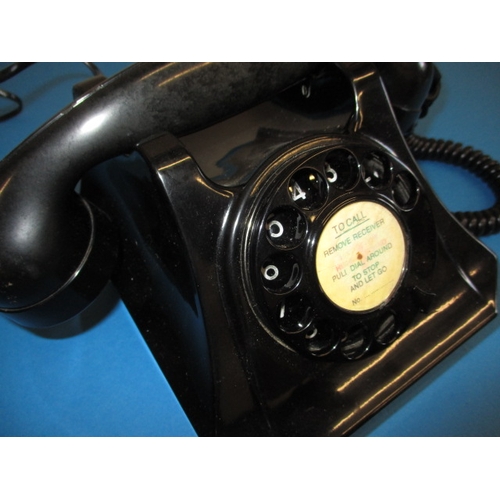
x=361 y=256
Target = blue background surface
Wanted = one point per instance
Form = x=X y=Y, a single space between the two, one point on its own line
x=94 y=376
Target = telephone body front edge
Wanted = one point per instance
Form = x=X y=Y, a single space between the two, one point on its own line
x=162 y=153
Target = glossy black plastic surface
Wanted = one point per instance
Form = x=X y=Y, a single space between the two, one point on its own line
x=194 y=252
x=211 y=238
x=51 y=262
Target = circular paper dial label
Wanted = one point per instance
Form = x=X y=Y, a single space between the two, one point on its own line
x=361 y=256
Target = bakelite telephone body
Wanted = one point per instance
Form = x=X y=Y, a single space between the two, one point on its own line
x=267 y=227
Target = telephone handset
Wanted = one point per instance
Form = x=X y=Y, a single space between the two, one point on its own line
x=280 y=251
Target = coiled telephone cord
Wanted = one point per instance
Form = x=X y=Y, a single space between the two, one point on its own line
x=480 y=222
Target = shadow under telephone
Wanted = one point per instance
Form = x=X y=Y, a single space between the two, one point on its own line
x=288 y=265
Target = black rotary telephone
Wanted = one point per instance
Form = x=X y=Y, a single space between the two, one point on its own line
x=267 y=227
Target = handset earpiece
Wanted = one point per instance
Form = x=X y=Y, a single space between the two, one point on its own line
x=57 y=251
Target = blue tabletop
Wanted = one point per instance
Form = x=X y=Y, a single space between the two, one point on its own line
x=94 y=375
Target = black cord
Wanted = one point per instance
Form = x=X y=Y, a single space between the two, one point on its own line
x=16 y=68
x=480 y=222
x=95 y=70
x=12 y=70
x=6 y=74
x=15 y=100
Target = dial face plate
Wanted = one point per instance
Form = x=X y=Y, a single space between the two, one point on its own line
x=340 y=251
x=361 y=255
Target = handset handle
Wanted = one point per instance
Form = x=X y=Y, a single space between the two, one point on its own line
x=56 y=250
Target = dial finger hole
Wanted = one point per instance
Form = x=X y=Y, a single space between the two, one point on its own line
x=388 y=331
x=321 y=339
x=280 y=273
x=308 y=189
x=294 y=314
x=341 y=169
x=355 y=343
x=377 y=170
x=285 y=227
x=405 y=191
